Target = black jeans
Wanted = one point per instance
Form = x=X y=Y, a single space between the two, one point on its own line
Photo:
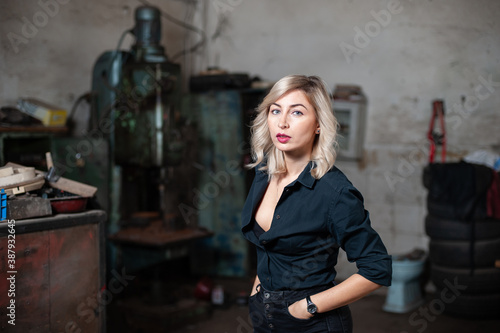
x=269 y=313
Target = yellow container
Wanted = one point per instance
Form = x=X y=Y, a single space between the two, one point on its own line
x=48 y=114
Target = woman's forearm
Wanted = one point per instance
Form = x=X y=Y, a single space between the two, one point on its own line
x=350 y=290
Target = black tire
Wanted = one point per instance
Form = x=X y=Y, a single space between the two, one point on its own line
x=440 y=228
x=457 y=190
x=450 y=211
x=483 y=280
x=469 y=306
x=457 y=253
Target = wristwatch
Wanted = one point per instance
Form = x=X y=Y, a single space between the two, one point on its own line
x=311 y=307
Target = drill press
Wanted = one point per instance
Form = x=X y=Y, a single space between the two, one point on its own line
x=135 y=94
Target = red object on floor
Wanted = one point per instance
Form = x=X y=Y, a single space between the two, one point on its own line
x=204 y=288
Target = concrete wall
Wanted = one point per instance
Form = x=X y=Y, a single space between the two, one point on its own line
x=403 y=53
x=49 y=47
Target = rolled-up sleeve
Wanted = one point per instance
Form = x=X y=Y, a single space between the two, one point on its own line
x=350 y=223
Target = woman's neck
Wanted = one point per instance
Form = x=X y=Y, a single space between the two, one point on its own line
x=294 y=167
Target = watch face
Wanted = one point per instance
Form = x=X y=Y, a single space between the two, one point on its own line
x=311 y=308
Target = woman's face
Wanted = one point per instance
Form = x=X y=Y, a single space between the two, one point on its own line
x=292 y=124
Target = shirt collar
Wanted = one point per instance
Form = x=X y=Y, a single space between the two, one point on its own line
x=305 y=177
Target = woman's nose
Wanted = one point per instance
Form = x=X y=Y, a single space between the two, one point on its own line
x=282 y=123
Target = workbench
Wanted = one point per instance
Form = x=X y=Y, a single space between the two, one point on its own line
x=58 y=275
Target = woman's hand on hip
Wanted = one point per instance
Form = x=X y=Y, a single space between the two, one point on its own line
x=299 y=310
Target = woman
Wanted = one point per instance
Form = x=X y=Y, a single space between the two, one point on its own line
x=299 y=211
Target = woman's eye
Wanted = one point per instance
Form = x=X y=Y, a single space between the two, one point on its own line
x=275 y=111
x=297 y=113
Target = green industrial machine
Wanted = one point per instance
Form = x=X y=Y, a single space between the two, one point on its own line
x=159 y=163
x=135 y=98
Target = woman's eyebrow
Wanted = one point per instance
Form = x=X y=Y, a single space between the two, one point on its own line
x=293 y=105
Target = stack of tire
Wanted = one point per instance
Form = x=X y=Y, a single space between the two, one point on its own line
x=464 y=248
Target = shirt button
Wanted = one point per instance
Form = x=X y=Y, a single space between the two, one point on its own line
x=264 y=242
x=267 y=306
x=271 y=326
x=266 y=295
x=277 y=217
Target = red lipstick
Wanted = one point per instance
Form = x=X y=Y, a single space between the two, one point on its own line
x=283 y=138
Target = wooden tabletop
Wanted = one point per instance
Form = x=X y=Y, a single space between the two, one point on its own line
x=157 y=235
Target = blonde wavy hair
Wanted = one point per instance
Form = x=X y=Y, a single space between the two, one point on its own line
x=324 y=148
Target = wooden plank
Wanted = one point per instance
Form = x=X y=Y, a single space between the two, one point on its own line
x=6 y=171
x=74 y=187
x=23 y=187
x=67 y=185
x=20 y=175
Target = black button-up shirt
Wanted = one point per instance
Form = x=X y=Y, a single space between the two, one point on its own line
x=313 y=218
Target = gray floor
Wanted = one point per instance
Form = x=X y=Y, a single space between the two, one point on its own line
x=367 y=314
